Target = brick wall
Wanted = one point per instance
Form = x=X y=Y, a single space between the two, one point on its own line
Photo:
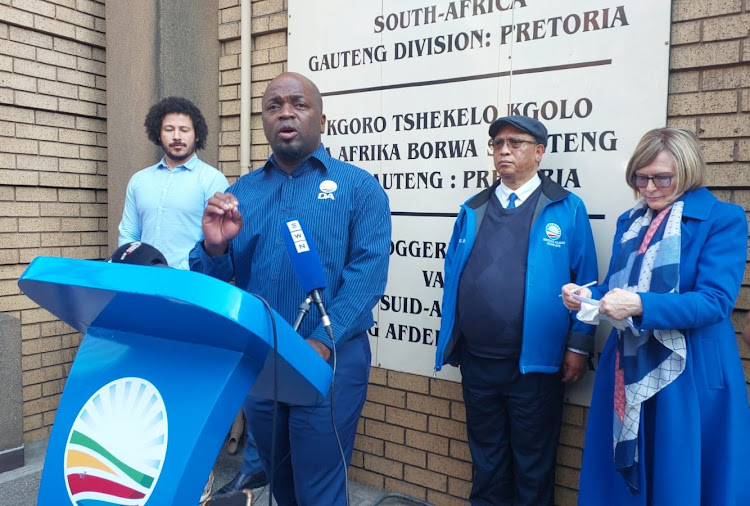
x=53 y=173
x=709 y=93
x=269 y=25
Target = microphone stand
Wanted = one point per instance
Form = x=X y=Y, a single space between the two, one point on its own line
x=318 y=300
x=304 y=308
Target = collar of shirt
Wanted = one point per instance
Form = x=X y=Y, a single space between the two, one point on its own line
x=189 y=165
x=502 y=192
x=319 y=157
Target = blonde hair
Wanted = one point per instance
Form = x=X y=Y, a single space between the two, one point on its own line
x=682 y=148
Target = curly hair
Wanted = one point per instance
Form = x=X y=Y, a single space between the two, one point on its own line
x=177 y=105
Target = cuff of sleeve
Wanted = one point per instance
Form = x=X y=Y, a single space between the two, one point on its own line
x=213 y=262
x=580 y=343
x=641 y=321
x=580 y=352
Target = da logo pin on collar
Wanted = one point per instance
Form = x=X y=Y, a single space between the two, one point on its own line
x=553 y=234
x=117 y=445
x=327 y=188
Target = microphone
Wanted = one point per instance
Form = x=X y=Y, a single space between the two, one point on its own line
x=304 y=256
x=308 y=269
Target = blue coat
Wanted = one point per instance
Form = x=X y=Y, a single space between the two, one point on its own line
x=695 y=444
x=557 y=255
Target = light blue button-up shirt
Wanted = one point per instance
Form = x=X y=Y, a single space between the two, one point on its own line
x=164 y=207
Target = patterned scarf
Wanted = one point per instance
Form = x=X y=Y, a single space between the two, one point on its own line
x=648 y=261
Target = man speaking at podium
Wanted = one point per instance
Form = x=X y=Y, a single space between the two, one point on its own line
x=347 y=216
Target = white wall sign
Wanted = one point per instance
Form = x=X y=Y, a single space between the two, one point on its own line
x=411 y=86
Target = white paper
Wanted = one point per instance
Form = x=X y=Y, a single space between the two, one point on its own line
x=591 y=315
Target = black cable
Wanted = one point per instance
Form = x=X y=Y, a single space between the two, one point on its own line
x=274 y=469
x=303 y=309
x=275 y=396
x=316 y=298
x=329 y=331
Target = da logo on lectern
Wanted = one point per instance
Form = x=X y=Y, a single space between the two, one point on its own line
x=116 y=447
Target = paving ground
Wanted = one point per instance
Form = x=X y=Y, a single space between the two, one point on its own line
x=20 y=486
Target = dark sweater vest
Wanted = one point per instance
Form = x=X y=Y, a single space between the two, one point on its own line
x=492 y=288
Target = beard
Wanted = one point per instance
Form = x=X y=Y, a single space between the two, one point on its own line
x=176 y=156
x=290 y=152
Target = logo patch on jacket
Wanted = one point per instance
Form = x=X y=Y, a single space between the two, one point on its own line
x=327 y=188
x=553 y=233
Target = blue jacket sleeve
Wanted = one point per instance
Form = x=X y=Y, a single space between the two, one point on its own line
x=366 y=268
x=719 y=271
x=583 y=266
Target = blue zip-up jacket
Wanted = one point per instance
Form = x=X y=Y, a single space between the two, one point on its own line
x=561 y=250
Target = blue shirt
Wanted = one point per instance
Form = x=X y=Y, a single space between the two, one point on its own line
x=164 y=207
x=346 y=213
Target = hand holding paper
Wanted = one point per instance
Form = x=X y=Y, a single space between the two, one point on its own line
x=570 y=289
x=589 y=313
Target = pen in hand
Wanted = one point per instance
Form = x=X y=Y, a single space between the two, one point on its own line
x=582 y=286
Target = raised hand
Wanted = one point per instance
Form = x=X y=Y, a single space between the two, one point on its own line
x=222 y=222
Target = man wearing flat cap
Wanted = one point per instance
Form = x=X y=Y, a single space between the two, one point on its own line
x=513 y=246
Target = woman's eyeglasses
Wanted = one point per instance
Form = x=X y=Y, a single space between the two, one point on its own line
x=660 y=181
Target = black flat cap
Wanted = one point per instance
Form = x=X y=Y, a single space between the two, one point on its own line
x=529 y=125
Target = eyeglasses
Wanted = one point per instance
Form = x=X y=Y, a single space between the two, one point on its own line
x=497 y=144
x=660 y=181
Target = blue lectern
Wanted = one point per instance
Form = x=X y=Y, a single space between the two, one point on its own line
x=166 y=362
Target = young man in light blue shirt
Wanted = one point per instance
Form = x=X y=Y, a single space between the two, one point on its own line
x=164 y=203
